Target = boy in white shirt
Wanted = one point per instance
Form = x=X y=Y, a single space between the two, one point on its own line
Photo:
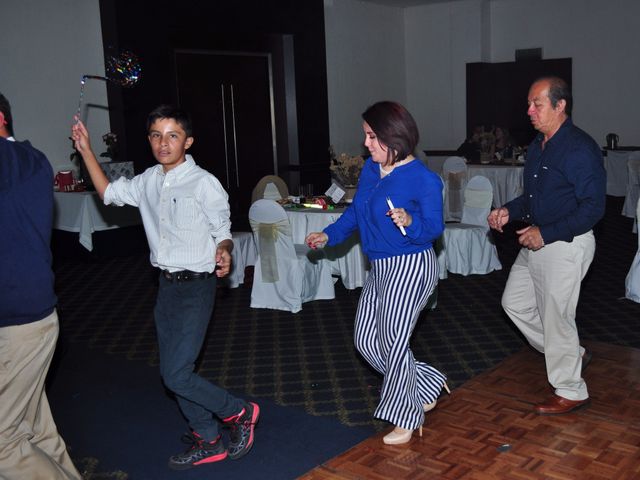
x=185 y=212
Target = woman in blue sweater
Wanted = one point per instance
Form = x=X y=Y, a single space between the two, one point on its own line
x=404 y=269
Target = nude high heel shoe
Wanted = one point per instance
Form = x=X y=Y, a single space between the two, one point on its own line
x=430 y=406
x=399 y=435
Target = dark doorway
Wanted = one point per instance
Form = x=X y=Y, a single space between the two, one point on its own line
x=497 y=93
x=230 y=98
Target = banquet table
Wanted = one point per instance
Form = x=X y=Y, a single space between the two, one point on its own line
x=85 y=213
x=347 y=259
x=505 y=179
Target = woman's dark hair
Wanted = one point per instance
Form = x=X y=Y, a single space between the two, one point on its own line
x=395 y=127
x=5 y=108
x=559 y=90
x=181 y=117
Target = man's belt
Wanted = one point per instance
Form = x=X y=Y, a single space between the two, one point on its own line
x=185 y=275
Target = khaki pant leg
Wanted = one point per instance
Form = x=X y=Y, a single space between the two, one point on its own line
x=559 y=272
x=519 y=301
x=541 y=299
x=30 y=446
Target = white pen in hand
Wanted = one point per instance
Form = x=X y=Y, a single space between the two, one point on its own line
x=390 y=203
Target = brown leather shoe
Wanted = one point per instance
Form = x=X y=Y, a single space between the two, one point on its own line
x=557 y=405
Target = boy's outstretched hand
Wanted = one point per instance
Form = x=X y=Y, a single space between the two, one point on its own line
x=80 y=137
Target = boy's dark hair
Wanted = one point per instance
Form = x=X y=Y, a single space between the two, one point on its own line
x=181 y=117
x=5 y=108
x=395 y=127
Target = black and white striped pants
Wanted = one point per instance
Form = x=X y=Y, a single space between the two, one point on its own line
x=394 y=293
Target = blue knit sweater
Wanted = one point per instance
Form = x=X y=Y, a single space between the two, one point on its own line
x=411 y=186
x=26 y=219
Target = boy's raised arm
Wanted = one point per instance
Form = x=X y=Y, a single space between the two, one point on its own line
x=80 y=137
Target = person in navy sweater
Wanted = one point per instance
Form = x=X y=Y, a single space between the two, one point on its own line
x=564 y=197
x=404 y=268
x=30 y=445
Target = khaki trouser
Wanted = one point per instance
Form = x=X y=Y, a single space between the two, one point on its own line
x=541 y=297
x=30 y=446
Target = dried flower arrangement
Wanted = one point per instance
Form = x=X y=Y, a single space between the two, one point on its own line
x=487 y=143
x=111 y=141
x=345 y=168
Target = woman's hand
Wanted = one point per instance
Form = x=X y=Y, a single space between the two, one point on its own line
x=400 y=217
x=316 y=240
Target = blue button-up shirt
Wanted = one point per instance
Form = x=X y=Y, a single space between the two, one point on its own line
x=564 y=185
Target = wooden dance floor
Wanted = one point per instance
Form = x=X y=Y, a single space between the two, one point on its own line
x=486 y=429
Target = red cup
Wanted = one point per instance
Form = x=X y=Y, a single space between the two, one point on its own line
x=64 y=181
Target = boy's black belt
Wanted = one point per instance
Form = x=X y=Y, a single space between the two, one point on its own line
x=185 y=275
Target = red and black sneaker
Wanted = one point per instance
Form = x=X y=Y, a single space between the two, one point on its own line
x=241 y=434
x=199 y=453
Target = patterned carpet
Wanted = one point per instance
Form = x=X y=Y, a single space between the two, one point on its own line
x=308 y=359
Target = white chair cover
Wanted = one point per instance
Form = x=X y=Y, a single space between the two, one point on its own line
x=438 y=245
x=244 y=254
x=477 y=201
x=633 y=189
x=285 y=276
x=632 y=282
x=454 y=173
x=468 y=246
x=438 y=248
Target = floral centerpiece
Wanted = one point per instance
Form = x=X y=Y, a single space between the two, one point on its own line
x=345 y=168
x=487 y=143
x=111 y=141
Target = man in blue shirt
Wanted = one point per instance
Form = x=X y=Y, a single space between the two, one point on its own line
x=30 y=445
x=564 y=197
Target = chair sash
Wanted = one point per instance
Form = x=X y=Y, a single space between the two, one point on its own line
x=455 y=182
x=267 y=237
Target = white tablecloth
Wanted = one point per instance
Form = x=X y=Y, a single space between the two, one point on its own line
x=633 y=186
x=85 y=213
x=506 y=180
x=347 y=259
x=243 y=255
x=615 y=163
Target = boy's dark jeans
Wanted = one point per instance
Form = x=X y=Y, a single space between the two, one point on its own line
x=182 y=313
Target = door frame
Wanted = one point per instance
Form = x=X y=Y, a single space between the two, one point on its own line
x=237 y=53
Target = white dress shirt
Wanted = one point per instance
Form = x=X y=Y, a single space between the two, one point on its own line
x=185 y=213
